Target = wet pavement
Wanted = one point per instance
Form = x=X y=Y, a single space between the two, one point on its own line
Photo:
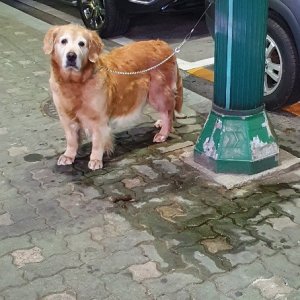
x=147 y=226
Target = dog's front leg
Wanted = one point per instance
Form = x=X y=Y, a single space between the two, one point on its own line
x=100 y=138
x=71 y=133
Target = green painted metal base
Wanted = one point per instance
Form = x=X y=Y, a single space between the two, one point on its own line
x=237 y=144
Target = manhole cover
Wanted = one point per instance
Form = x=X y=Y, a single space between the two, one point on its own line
x=48 y=108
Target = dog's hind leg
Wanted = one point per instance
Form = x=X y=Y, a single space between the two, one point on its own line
x=165 y=125
x=162 y=96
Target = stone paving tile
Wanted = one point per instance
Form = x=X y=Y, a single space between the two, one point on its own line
x=293 y=255
x=36 y=289
x=116 y=191
x=22 y=181
x=79 y=225
x=144 y=271
x=206 y=290
x=52 y=212
x=122 y=286
x=126 y=242
x=25 y=292
x=151 y=252
x=292 y=210
x=133 y=183
x=272 y=288
x=249 y=293
x=112 y=177
x=84 y=284
x=146 y=171
x=115 y=225
x=19 y=209
x=275 y=238
x=286 y=193
x=5 y=219
x=169 y=283
x=52 y=265
x=11 y=244
x=157 y=188
x=27 y=256
x=86 y=247
x=244 y=257
x=207 y=263
x=10 y=275
x=283 y=269
x=50 y=242
x=112 y=297
x=38 y=196
x=216 y=245
x=180 y=295
x=118 y=261
x=236 y=235
x=296 y=201
x=61 y=296
x=22 y=227
x=241 y=277
x=294 y=295
x=165 y=166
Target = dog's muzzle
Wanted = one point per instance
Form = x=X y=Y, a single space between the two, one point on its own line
x=71 y=60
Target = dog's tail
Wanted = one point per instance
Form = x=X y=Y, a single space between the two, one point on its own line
x=179 y=93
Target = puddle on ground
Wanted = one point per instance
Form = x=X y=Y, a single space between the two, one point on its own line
x=33 y=157
x=197 y=226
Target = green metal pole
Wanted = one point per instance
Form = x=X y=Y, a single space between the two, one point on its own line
x=237 y=137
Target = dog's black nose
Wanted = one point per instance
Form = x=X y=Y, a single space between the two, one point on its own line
x=71 y=56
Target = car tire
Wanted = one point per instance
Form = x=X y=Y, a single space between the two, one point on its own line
x=103 y=16
x=283 y=54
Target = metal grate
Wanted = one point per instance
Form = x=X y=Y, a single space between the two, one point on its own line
x=48 y=108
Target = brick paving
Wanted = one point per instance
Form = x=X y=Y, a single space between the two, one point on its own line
x=147 y=226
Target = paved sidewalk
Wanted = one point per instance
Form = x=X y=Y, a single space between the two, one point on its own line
x=147 y=226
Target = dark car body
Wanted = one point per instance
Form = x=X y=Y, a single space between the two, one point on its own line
x=284 y=31
x=111 y=17
x=145 y=6
x=289 y=12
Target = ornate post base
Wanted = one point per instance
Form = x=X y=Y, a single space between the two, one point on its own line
x=241 y=142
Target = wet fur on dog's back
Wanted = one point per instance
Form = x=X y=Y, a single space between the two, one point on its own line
x=88 y=96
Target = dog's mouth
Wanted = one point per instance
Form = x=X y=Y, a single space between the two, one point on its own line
x=71 y=66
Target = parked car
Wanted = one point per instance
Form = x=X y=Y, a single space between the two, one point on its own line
x=282 y=67
x=111 y=17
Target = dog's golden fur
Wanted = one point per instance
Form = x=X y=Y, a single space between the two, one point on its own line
x=88 y=96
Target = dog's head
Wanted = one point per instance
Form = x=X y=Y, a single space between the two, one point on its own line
x=72 y=47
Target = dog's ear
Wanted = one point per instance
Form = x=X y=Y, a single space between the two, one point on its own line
x=49 y=39
x=95 y=46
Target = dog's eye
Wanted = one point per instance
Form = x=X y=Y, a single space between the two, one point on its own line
x=64 y=41
x=81 y=44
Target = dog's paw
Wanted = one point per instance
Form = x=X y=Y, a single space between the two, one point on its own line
x=158 y=124
x=95 y=164
x=160 y=138
x=180 y=115
x=65 y=160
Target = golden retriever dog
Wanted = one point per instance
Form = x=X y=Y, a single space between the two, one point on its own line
x=88 y=96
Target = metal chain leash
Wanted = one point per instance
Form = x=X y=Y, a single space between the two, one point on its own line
x=177 y=50
x=141 y=71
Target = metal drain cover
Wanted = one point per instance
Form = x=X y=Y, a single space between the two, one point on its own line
x=48 y=108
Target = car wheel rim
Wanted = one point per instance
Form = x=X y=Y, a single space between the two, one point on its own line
x=94 y=13
x=273 y=67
